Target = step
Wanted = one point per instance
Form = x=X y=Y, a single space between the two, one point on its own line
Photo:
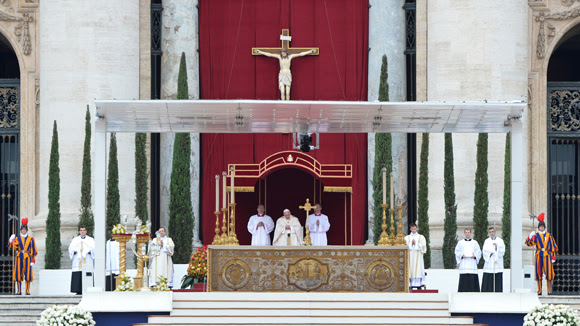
x=313 y=320
x=310 y=296
x=11 y=318
x=320 y=324
x=14 y=311
x=310 y=304
x=308 y=312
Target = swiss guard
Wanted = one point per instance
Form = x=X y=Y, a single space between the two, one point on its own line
x=24 y=248
x=545 y=256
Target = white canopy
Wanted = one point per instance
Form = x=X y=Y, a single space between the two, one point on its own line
x=255 y=116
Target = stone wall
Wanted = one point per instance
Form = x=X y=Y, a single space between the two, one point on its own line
x=470 y=51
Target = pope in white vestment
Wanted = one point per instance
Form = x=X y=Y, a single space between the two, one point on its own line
x=160 y=263
x=288 y=231
x=467 y=254
x=493 y=252
x=318 y=225
x=417 y=248
x=260 y=226
x=111 y=263
x=81 y=252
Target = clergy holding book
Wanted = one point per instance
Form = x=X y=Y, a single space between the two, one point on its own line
x=318 y=225
x=160 y=262
x=467 y=254
x=493 y=252
x=288 y=231
x=260 y=226
x=82 y=252
x=417 y=248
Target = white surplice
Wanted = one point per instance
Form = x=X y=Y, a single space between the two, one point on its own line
x=82 y=252
x=112 y=259
x=318 y=232
x=416 y=264
x=467 y=265
x=160 y=263
x=260 y=235
x=493 y=256
x=288 y=237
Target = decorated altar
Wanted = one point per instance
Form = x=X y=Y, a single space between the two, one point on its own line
x=295 y=269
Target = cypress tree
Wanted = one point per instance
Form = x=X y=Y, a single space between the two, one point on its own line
x=180 y=207
x=383 y=158
x=113 y=199
x=423 y=197
x=86 y=218
x=506 y=216
x=450 y=223
x=141 y=187
x=53 y=251
x=481 y=200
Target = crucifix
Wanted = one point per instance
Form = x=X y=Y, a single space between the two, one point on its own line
x=307 y=207
x=285 y=54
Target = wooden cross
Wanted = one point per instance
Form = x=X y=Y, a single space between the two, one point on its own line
x=285 y=38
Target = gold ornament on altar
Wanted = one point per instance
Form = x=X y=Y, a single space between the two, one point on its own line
x=228 y=229
x=307 y=207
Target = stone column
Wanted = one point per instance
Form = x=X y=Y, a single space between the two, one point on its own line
x=90 y=52
x=179 y=34
x=386 y=36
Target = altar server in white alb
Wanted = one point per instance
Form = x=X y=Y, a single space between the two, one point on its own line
x=467 y=254
x=111 y=263
x=160 y=262
x=288 y=231
x=260 y=226
x=493 y=252
x=82 y=252
x=318 y=225
x=417 y=248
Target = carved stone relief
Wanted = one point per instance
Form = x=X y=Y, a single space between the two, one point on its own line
x=21 y=28
x=547 y=29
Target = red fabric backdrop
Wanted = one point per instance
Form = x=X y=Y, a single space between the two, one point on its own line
x=228 y=31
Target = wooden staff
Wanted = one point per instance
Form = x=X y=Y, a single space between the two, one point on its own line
x=15 y=218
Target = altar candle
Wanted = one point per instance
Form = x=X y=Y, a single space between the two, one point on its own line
x=232 y=185
x=224 y=189
x=392 y=190
x=384 y=186
x=400 y=193
x=217 y=192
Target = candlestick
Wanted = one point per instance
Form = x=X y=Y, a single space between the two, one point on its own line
x=224 y=189
x=400 y=192
x=232 y=185
x=392 y=190
x=384 y=186
x=217 y=192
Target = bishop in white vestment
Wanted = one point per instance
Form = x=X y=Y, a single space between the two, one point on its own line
x=260 y=226
x=160 y=263
x=417 y=248
x=288 y=231
x=318 y=225
x=81 y=251
x=493 y=252
x=467 y=254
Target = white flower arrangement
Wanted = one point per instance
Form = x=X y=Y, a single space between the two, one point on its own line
x=162 y=285
x=126 y=284
x=144 y=229
x=65 y=316
x=548 y=315
x=119 y=229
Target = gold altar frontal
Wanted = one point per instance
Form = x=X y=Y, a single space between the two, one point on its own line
x=296 y=269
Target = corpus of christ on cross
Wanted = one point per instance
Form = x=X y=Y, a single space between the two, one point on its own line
x=285 y=54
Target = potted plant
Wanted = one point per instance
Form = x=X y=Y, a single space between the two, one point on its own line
x=547 y=315
x=65 y=316
x=197 y=269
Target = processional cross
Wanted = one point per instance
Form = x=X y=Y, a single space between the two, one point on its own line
x=285 y=54
x=307 y=207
